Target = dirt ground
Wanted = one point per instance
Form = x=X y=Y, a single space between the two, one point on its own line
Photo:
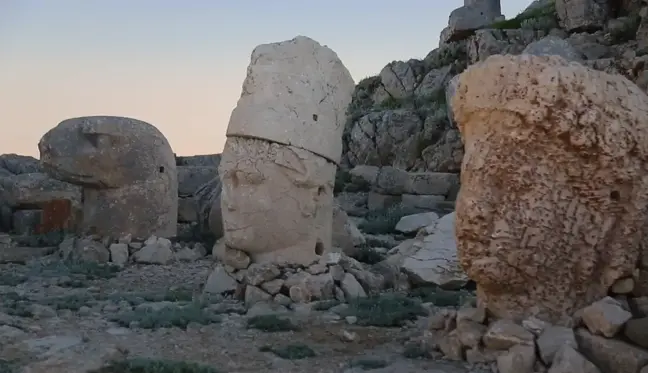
x=58 y=318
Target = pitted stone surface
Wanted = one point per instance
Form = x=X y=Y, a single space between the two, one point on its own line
x=296 y=93
x=554 y=188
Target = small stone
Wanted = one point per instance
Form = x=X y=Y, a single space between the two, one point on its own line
x=534 y=325
x=219 y=281
x=266 y=308
x=476 y=314
x=134 y=246
x=273 y=286
x=519 y=359
x=337 y=272
x=317 y=268
x=478 y=355
x=637 y=331
x=158 y=252
x=119 y=253
x=568 y=360
x=351 y=320
x=470 y=333
x=623 y=286
x=254 y=295
x=352 y=288
x=348 y=336
x=282 y=299
x=605 y=317
x=187 y=254
x=126 y=239
x=552 y=339
x=299 y=294
x=259 y=273
x=231 y=257
x=331 y=258
x=504 y=334
x=611 y=355
x=451 y=346
x=437 y=321
x=412 y=223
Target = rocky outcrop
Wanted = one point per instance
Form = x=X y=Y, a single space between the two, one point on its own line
x=475 y=14
x=127 y=171
x=278 y=165
x=552 y=206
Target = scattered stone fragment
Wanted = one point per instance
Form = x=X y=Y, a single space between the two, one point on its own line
x=568 y=360
x=605 y=317
x=518 y=359
x=504 y=334
x=552 y=339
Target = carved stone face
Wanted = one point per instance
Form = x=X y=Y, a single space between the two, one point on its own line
x=275 y=198
x=105 y=152
x=543 y=226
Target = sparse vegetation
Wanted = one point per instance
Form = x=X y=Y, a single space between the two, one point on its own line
x=7 y=366
x=416 y=351
x=384 y=221
x=10 y=279
x=391 y=310
x=452 y=53
x=271 y=323
x=72 y=302
x=180 y=294
x=368 y=364
x=538 y=18
x=626 y=29
x=15 y=304
x=85 y=270
x=53 y=238
x=368 y=255
x=325 y=305
x=440 y=297
x=295 y=351
x=143 y=365
x=166 y=317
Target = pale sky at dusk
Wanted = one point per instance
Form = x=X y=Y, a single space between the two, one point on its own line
x=180 y=64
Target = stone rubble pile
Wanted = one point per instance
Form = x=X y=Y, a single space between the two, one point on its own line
x=97 y=249
x=604 y=337
x=333 y=277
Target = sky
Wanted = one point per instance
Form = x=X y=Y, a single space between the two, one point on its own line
x=180 y=65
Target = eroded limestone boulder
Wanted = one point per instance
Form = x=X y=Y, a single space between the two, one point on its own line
x=554 y=187
x=126 y=168
x=284 y=141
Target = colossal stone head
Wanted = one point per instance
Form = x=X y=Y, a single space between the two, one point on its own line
x=284 y=141
x=554 y=185
x=127 y=169
x=276 y=201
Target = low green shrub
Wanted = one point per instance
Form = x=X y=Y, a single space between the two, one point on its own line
x=392 y=310
x=167 y=317
x=144 y=365
x=271 y=323
x=295 y=351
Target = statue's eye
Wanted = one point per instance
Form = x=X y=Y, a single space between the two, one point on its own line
x=93 y=138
